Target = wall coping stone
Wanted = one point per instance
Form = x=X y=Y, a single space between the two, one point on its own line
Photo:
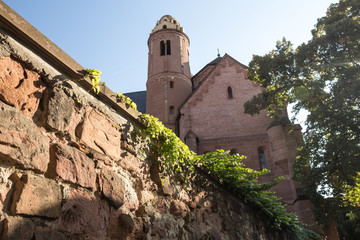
x=44 y=47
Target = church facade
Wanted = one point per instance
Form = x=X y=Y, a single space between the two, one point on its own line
x=206 y=110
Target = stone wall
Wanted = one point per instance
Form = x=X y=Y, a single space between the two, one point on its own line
x=75 y=165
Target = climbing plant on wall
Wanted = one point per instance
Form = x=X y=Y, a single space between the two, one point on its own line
x=94 y=75
x=177 y=160
x=95 y=78
x=124 y=99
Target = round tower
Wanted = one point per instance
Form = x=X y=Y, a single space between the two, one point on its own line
x=169 y=80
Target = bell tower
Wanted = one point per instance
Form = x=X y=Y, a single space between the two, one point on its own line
x=169 y=78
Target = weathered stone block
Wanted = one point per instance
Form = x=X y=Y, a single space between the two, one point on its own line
x=60 y=110
x=99 y=133
x=145 y=196
x=36 y=196
x=126 y=226
x=193 y=230
x=112 y=187
x=167 y=188
x=179 y=209
x=18 y=228
x=5 y=187
x=162 y=204
x=130 y=163
x=165 y=226
x=127 y=222
x=118 y=186
x=84 y=214
x=20 y=87
x=76 y=119
x=21 y=141
x=50 y=234
x=72 y=165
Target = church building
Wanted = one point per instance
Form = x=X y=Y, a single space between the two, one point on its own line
x=206 y=110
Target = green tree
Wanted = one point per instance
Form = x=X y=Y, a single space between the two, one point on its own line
x=321 y=76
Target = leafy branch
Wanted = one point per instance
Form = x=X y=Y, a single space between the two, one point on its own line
x=352 y=193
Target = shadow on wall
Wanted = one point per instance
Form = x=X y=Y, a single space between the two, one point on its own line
x=82 y=216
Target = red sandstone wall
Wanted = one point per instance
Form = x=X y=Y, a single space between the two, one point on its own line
x=71 y=167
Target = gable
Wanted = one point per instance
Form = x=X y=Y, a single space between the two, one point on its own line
x=212 y=112
x=209 y=71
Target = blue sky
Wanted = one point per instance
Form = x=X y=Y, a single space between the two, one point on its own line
x=111 y=35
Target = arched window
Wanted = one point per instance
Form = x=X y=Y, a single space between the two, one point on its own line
x=171 y=110
x=171 y=84
x=230 y=93
x=162 y=48
x=164 y=27
x=262 y=158
x=168 y=47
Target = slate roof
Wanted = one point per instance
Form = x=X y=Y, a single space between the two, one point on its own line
x=139 y=98
x=215 y=61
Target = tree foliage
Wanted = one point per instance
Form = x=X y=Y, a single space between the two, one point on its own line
x=321 y=76
x=352 y=195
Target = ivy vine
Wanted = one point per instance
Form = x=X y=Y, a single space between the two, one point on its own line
x=95 y=78
x=124 y=99
x=94 y=75
x=177 y=160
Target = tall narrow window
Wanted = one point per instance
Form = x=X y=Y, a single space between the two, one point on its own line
x=230 y=93
x=162 y=48
x=171 y=84
x=168 y=47
x=262 y=158
x=171 y=110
